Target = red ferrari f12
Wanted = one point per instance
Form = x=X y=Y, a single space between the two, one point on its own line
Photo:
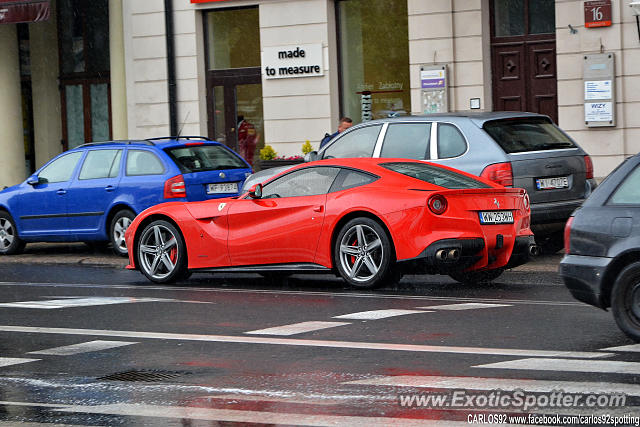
x=367 y=220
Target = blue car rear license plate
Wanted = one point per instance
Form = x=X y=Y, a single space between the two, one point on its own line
x=496 y=217
x=227 y=187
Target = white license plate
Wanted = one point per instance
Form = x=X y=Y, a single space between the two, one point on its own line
x=552 y=183
x=228 y=187
x=496 y=217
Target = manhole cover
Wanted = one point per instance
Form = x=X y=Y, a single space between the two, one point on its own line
x=147 y=376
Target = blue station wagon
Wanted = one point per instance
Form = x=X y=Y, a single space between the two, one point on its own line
x=93 y=192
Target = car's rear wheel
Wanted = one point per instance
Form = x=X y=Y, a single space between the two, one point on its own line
x=474 y=277
x=10 y=242
x=363 y=254
x=161 y=253
x=625 y=301
x=119 y=224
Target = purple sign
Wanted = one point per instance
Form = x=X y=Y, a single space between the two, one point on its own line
x=431 y=83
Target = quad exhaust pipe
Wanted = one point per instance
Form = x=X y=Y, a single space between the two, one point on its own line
x=534 y=250
x=450 y=255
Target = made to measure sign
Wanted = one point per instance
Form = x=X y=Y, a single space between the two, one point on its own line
x=304 y=60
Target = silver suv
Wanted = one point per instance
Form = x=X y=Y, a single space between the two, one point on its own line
x=514 y=149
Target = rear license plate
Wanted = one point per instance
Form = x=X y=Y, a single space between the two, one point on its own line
x=552 y=183
x=496 y=217
x=227 y=187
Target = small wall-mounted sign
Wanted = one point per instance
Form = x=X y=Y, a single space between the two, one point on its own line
x=305 y=60
x=597 y=13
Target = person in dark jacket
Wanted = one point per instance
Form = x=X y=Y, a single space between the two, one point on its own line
x=344 y=124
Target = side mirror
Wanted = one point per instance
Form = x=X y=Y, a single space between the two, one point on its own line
x=311 y=156
x=33 y=180
x=255 y=192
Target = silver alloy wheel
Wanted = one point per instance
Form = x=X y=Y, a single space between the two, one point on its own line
x=119 y=229
x=7 y=234
x=158 y=251
x=361 y=253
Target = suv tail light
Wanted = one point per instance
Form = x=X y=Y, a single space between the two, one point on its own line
x=588 y=167
x=174 y=187
x=499 y=173
x=437 y=204
x=567 y=235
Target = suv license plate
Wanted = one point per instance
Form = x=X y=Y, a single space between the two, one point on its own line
x=552 y=183
x=496 y=217
x=229 y=187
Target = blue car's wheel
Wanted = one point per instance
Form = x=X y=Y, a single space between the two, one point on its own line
x=118 y=227
x=10 y=242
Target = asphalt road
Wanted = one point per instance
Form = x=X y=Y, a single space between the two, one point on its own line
x=84 y=342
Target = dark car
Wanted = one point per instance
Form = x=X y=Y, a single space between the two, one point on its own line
x=513 y=149
x=602 y=244
x=93 y=192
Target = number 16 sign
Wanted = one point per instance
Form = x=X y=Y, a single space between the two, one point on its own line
x=597 y=13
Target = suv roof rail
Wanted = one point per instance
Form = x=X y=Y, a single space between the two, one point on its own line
x=178 y=137
x=123 y=142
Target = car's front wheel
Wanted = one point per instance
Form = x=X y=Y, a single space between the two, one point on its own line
x=10 y=242
x=161 y=252
x=363 y=254
x=117 y=228
x=474 y=277
x=625 y=301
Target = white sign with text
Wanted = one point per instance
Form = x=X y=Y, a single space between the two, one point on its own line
x=302 y=60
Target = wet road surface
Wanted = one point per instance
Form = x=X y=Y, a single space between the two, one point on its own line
x=103 y=346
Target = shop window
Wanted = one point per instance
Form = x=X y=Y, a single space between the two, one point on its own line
x=523 y=17
x=233 y=38
x=373 y=40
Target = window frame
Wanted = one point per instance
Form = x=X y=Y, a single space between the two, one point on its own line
x=302 y=170
x=84 y=160
x=162 y=163
x=52 y=162
x=436 y=147
x=376 y=144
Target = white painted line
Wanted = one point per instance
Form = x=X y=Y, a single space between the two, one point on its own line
x=308 y=343
x=608 y=366
x=464 y=306
x=377 y=314
x=8 y=361
x=632 y=348
x=245 y=397
x=504 y=384
x=297 y=328
x=84 y=347
x=79 y=302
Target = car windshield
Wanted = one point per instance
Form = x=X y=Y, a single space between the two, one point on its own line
x=435 y=175
x=528 y=134
x=198 y=158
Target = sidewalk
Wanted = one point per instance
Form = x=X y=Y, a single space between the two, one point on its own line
x=79 y=253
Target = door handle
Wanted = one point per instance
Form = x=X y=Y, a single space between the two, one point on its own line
x=109 y=188
x=318 y=208
x=61 y=192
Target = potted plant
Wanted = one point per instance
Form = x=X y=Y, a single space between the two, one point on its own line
x=269 y=157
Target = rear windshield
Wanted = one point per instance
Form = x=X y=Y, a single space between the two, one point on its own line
x=435 y=175
x=530 y=134
x=200 y=158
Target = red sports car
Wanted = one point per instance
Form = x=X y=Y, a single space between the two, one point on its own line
x=368 y=220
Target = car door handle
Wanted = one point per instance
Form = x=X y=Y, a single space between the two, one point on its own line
x=61 y=192
x=109 y=188
x=318 y=208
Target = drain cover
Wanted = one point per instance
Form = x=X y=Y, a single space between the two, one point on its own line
x=146 y=376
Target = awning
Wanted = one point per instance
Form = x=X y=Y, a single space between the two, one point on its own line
x=16 y=11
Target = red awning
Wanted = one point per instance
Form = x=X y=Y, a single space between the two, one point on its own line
x=16 y=11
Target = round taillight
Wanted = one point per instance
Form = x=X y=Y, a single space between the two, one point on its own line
x=527 y=202
x=437 y=204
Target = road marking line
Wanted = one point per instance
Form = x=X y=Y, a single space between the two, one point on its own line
x=79 y=302
x=632 y=348
x=84 y=347
x=8 y=361
x=244 y=397
x=303 y=342
x=503 y=384
x=378 y=314
x=297 y=328
x=464 y=306
x=608 y=366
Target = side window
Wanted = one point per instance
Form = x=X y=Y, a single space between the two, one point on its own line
x=407 y=141
x=357 y=143
x=628 y=192
x=143 y=162
x=305 y=182
x=350 y=178
x=61 y=169
x=101 y=164
x=451 y=143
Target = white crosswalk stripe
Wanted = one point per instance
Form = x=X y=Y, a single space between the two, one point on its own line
x=8 y=361
x=378 y=314
x=564 y=365
x=79 y=302
x=84 y=347
x=297 y=328
x=631 y=348
x=463 y=306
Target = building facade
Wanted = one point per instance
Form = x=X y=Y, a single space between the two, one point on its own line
x=282 y=72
